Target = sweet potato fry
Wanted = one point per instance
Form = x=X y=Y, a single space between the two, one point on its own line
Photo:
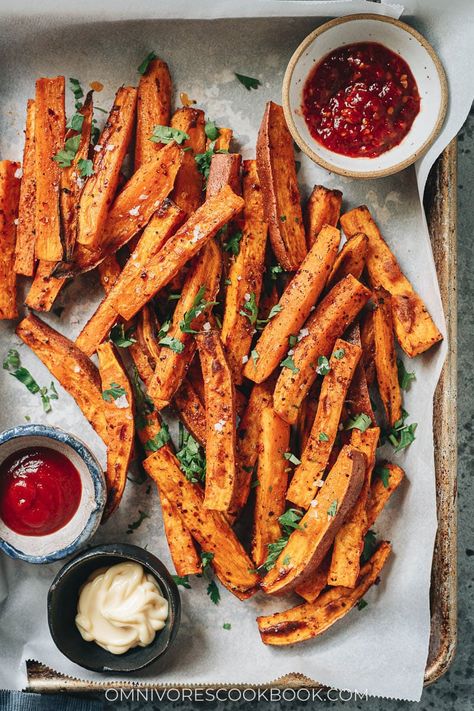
x=9 y=197
x=119 y=409
x=147 y=331
x=224 y=170
x=414 y=327
x=380 y=494
x=309 y=543
x=295 y=305
x=311 y=619
x=349 y=542
x=272 y=478
x=386 y=357
x=199 y=289
x=330 y=319
x=248 y=437
x=315 y=457
x=350 y=260
x=109 y=271
x=368 y=344
x=245 y=274
x=72 y=182
x=76 y=373
x=223 y=141
x=44 y=288
x=281 y=197
x=209 y=528
x=178 y=250
x=153 y=109
x=25 y=232
x=162 y=225
x=311 y=589
x=190 y=411
x=188 y=190
x=323 y=208
x=306 y=415
x=220 y=422
x=50 y=127
x=358 y=396
x=100 y=189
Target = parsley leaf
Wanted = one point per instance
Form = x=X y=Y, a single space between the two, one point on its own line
x=404 y=377
x=173 y=344
x=85 y=167
x=384 y=474
x=339 y=353
x=143 y=403
x=292 y=458
x=75 y=87
x=232 y=245
x=75 y=122
x=274 y=550
x=323 y=366
x=213 y=592
x=358 y=422
x=166 y=134
x=288 y=362
x=370 y=546
x=199 y=305
x=250 y=308
x=121 y=338
x=332 y=510
x=227 y=626
x=323 y=437
x=289 y=521
x=206 y=559
x=254 y=356
x=361 y=604
x=203 y=160
x=113 y=393
x=182 y=580
x=65 y=157
x=191 y=457
x=12 y=363
x=211 y=130
x=401 y=435
x=12 y=360
x=159 y=440
x=248 y=82
x=136 y=524
x=146 y=62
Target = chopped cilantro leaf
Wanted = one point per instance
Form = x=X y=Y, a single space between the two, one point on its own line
x=404 y=377
x=146 y=62
x=166 y=134
x=182 y=580
x=213 y=592
x=113 y=392
x=288 y=362
x=323 y=366
x=359 y=422
x=248 y=82
x=292 y=458
x=159 y=440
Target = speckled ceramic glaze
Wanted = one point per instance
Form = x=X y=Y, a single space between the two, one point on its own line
x=77 y=532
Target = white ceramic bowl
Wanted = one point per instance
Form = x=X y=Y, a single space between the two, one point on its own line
x=82 y=526
x=402 y=40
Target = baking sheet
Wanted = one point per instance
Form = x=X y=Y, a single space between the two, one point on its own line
x=392 y=632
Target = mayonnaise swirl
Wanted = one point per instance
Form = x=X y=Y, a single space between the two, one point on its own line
x=121 y=607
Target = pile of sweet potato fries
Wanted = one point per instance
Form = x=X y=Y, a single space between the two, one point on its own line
x=227 y=303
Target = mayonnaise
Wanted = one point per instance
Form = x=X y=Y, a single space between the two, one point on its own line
x=121 y=607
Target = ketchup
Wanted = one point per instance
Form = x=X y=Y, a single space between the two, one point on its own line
x=360 y=100
x=40 y=491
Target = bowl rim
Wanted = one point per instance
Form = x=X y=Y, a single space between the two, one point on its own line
x=98 y=481
x=127 y=552
x=443 y=105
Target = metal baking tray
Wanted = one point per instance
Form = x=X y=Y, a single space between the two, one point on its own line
x=440 y=206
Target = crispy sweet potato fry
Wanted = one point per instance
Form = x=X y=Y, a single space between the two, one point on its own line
x=358 y=396
x=277 y=173
x=153 y=109
x=100 y=189
x=71 y=184
x=248 y=437
x=330 y=319
x=200 y=287
x=178 y=250
x=386 y=357
x=311 y=619
x=147 y=331
x=76 y=373
x=161 y=226
x=311 y=589
x=25 y=232
x=309 y=543
x=224 y=170
x=315 y=457
x=9 y=197
x=323 y=208
x=109 y=271
x=44 y=288
x=190 y=411
x=350 y=260
x=209 y=528
x=349 y=542
x=306 y=415
x=188 y=189
x=118 y=407
x=50 y=127
x=295 y=305
x=368 y=344
x=380 y=494
x=272 y=480
x=245 y=274
x=220 y=422
x=415 y=329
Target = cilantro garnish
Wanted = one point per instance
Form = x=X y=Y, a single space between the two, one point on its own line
x=323 y=437
x=113 y=392
x=250 y=308
x=75 y=122
x=232 y=245
x=213 y=592
x=288 y=362
x=166 y=134
x=358 y=422
x=143 y=404
x=159 y=440
x=85 y=166
x=122 y=338
x=254 y=356
x=12 y=363
x=191 y=457
x=206 y=560
x=211 y=130
x=293 y=459
x=370 y=546
x=65 y=157
x=136 y=524
x=199 y=305
x=182 y=580
x=339 y=353
x=361 y=604
x=323 y=366
x=146 y=62
x=383 y=473
x=76 y=89
x=289 y=521
x=401 y=435
x=227 y=626
x=248 y=82
x=332 y=510
x=404 y=377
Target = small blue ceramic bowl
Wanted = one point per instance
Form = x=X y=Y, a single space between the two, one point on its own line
x=82 y=526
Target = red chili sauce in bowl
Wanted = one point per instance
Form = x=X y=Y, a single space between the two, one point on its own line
x=360 y=100
x=40 y=491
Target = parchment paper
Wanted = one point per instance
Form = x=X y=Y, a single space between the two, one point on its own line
x=382 y=649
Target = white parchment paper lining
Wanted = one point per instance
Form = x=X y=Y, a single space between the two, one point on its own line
x=382 y=649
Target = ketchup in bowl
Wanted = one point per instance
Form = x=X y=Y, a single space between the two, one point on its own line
x=360 y=100
x=40 y=491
